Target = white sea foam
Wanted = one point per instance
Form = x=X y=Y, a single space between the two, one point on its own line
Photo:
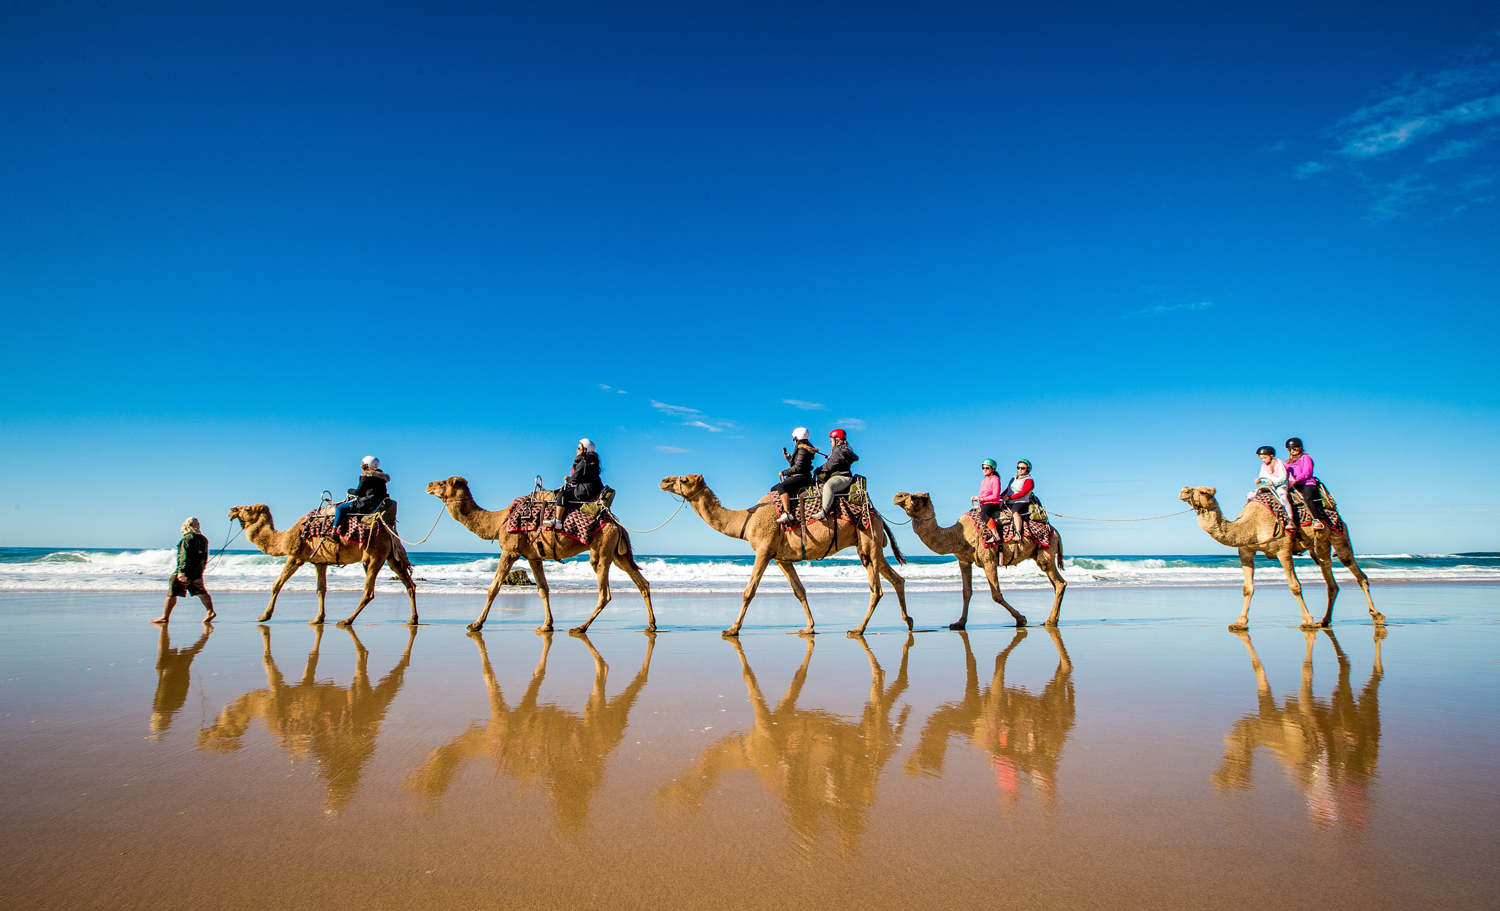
x=147 y=570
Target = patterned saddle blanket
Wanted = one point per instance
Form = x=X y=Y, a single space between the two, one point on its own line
x=356 y=529
x=1040 y=532
x=529 y=512
x=853 y=505
x=1335 y=522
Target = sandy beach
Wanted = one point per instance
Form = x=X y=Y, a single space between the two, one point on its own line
x=1138 y=756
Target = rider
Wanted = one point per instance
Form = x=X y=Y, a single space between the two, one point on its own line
x=990 y=508
x=1299 y=467
x=798 y=475
x=1273 y=477
x=836 y=472
x=583 y=484
x=368 y=496
x=1018 y=494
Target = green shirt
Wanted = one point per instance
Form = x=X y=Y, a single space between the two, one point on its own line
x=192 y=555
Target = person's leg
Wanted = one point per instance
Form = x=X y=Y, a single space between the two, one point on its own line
x=339 y=512
x=831 y=488
x=786 y=503
x=1313 y=498
x=1015 y=511
x=208 y=604
x=166 y=611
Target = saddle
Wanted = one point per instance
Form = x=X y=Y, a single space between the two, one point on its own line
x=857 y=493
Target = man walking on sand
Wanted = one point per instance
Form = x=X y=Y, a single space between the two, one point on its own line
x=192 y=557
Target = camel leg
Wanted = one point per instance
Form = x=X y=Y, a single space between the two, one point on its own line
x=292 y=565
x=966 y=575
x=762 y=560
x=992 y=575
x=403 y=572
x=1247 y=563
x=1296 y=586
x=601 y=573
x=1262 y=685
x=1319 y=553
x=883 y=566
x=507 y=560
x=372 y=568
x=543 y=589
x=322 y=570
x=1345 y=552
x=869 y=560
x=1048 y=564
x=643 y=585
x=1064 y=663
x=798 y=590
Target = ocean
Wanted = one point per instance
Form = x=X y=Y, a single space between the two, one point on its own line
x=35 y=569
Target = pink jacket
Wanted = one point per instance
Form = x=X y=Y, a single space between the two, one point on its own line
x=1301 y=470
x=989 y=489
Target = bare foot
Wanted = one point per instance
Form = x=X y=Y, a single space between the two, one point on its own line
x=209 y=617
x=160 y=620
x=959 y=625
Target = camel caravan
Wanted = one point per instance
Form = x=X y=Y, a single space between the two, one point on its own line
x=808 y=515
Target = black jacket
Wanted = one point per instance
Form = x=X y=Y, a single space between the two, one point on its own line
x=840 y=463
x=801 y=459
x=585 y=478
x=370 y=493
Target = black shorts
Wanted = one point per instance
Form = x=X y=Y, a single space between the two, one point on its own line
x=793 y=484
x=193 y=587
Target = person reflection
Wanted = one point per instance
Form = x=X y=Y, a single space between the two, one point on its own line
x=1023 y=732
x=542 y=744
x=173 y=678
x=821 y=766
x=335 y=725
x=1328 y=747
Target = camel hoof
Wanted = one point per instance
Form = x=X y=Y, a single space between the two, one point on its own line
x=809 y=632
x=578 y=632
x=262 y=618
x=1020 y=622
x=1311 y=625
x=1378 y=618
x=730 y=634
x=1051 y=623
x=411 y=623
x=650 y=630
x=909 y=625
x=315 y=622
x=543 y=630
x=855 y=634
x=1239 y=627
x=959 y=626
x=475 y=627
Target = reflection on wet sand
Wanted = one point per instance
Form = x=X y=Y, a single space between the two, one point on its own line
x=173 y=678
x=818 y=764
x=335 y=725
x=1022 y=732
x=1328 y=747
x=543 y=744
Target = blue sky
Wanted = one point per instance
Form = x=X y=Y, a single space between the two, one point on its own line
x=245 y=246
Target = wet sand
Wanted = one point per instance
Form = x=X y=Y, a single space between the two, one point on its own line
x=1139 y=756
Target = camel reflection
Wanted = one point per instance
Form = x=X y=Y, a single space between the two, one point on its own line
x=173 y=678
x=334 y=725
x=1328 y=747
x=1022 y=732
x=543 y=744
x=821 y=766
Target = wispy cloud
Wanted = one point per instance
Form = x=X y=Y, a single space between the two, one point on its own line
x=719 y=427
x=676 y=410
x=805 y=406
x=851 y=423
x=611 y=389
x=1460 y=103
x=672 y=449
x=692 y=417
x=1162 y=309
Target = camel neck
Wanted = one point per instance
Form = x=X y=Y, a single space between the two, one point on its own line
x=1213 y=522
x=938 y=538
x=730 y=522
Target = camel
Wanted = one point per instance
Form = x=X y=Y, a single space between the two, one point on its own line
x=821 y=766
x=961 y=539
x=322 y=553
x=1023 y=732
x=610 y=545
x=334 y=725
x=563 y=751
x=1328 y=747
x=1257 y=530
x=757 y=527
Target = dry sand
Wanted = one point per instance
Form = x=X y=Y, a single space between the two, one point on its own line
x=1120 y=764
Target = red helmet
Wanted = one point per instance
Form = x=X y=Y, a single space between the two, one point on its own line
x=839 y=434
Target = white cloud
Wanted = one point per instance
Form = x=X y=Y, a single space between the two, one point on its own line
x=851 y=423
x=706 y=426
x=673 y=409
x=1456 y=148
x=805 y=406
x=1309 y=168
x=672 y=449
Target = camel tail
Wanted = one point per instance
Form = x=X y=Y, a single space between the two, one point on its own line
x=890 y=536
x=624 y=548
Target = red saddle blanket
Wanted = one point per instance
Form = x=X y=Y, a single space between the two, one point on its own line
x=527 y=514
x=355 y=530
x=1040 y=532
x=1335 y=521
x=810 y=499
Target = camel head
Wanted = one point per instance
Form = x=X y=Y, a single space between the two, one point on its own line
x=249 y=515
x=913 y=504
x=686 y=486
x=450 y=489
x=1199 y=497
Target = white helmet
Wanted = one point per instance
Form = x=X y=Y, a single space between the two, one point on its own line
x=587 y=444
x=799 y=435
x=370 y=462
